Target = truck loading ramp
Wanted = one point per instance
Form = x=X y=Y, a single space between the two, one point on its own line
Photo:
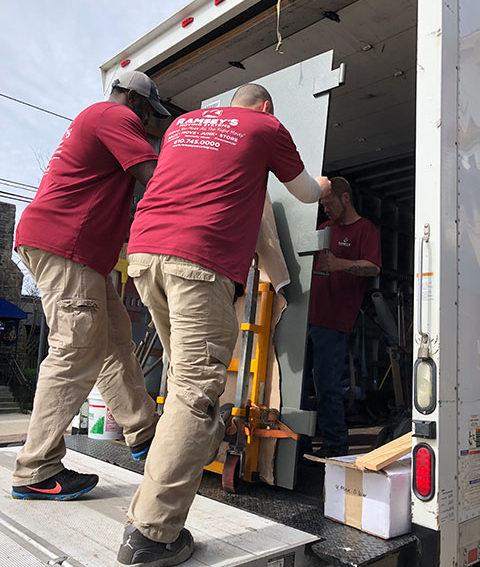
x=88 y=531
x=260 y=526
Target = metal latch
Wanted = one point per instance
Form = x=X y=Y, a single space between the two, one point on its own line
x=424 y=429
x=329 y=81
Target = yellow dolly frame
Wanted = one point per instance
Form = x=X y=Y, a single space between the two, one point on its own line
x=252 y=418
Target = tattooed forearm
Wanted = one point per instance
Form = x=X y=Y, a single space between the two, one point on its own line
x=365 y=271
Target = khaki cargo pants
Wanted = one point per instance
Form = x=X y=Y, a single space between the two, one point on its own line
x=90 y=341
x=192 y=308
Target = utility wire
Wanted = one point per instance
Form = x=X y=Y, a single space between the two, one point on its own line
x=20 y=186
x=17 y=187
x=14 y=197
x=18 y=183
x=36 y=107
x=16 y=194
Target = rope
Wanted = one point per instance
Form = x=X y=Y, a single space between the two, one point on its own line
x=279 y=35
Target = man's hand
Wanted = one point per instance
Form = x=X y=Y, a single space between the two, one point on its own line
x=324 y=184
x=328 y=263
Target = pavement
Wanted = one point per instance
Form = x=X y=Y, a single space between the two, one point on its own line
x=13 y=427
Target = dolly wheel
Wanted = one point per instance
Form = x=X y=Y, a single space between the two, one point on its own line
x=231 y=473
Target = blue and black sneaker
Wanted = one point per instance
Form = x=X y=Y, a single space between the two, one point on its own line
x=140 y=452
x=65 y=485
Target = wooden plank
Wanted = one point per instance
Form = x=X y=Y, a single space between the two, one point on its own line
x=10 y=439
x=379 y=458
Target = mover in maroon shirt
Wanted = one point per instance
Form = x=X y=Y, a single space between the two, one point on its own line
x=192 y=240
x=205 y=200
x=69 y=238
x=335 y=302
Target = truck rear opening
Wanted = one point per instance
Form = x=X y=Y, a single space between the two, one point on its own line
x=403 y=130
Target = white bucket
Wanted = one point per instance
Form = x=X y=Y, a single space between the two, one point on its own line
x=101 y=424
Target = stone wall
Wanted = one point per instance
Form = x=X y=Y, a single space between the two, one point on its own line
x=11 y=277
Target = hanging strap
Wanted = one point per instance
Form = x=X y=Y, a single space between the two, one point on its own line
x=279 y=35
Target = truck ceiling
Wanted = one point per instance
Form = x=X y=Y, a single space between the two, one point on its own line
x=371 y=117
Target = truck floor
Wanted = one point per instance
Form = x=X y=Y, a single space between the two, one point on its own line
x=302 y=509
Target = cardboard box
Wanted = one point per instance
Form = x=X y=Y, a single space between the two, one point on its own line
x=375 y=502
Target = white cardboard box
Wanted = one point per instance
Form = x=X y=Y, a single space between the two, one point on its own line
x=374 y=502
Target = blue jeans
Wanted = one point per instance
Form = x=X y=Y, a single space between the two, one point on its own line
x=328 y=357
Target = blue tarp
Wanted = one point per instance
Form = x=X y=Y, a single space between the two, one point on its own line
x=10 y=311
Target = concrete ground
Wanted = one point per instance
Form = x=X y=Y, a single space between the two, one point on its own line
x=13 y=427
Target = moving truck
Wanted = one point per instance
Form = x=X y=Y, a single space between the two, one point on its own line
x=385 y=93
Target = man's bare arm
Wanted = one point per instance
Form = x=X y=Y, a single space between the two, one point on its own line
x=143 y=171
x=306 y=188
x=330 y=263
x=363 y=268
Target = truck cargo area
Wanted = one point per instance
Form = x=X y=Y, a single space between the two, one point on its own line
x=369 y=139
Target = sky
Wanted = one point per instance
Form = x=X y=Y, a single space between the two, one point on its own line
x=50 y=54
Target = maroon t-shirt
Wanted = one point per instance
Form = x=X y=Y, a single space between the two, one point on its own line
x=335 y=300
x=205 y=200
x=82 y=208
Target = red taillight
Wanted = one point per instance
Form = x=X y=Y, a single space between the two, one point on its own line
x=125 y=62
x=186 y=22
x=217 y=2
x=472 y=556
x=423 y=471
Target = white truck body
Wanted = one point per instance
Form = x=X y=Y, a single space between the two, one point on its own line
x=411 y=86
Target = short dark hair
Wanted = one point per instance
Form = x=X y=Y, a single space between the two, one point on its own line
x=340 y=186
x=251 y=94
x=119 y=90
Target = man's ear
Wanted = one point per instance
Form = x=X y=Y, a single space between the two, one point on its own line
x=267 y=107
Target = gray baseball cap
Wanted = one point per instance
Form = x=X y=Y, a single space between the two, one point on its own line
x=144 y=86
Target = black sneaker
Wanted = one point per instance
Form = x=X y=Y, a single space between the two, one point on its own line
x=327 y=452
x=140 y=452
x=65 y=485
x=324 y=453
x=138 y=550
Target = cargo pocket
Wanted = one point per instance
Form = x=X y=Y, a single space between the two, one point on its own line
x=189 y=272
x=136 y=270
x=218 y=360
x=190 y=289
x=76 y=319
x=218 y=353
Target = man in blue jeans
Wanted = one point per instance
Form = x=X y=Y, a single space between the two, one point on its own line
x=335 y=302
